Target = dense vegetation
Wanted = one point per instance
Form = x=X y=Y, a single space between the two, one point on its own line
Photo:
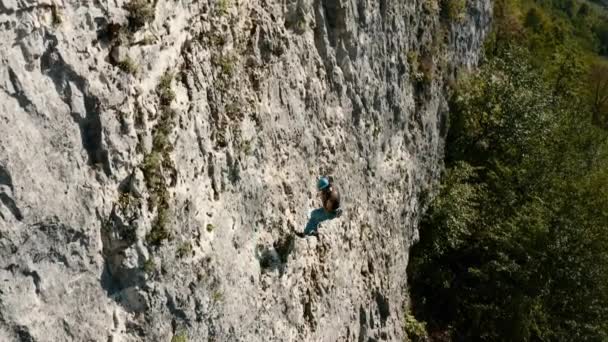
x=514 y=246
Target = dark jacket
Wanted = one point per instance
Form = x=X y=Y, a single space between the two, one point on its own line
x=331 y=194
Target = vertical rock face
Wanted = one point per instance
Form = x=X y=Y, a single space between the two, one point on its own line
x=155 y=160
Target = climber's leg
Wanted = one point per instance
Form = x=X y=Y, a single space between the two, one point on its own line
x=316 y=217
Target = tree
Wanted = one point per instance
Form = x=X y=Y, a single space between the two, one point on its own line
x=601 y=32
x=598 y=80
x=515 y=245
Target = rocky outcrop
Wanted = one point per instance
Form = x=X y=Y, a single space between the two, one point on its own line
x=156 y=158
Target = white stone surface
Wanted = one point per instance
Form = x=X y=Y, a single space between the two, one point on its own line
x=296 y=88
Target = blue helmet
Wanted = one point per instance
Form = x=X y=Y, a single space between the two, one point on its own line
x=323 y=183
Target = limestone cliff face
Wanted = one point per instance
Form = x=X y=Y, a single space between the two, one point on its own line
x=156 y=158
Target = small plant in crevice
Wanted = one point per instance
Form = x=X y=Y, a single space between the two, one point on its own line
x=184 y=249
x=149 y=266
x=222 y=7
x=412 y=61
x=422 y=68
x=166 y=95
x=157 y=164
x=181 y=337
x=234 y=111
x=453 y=10
x=225 y=63
x=217 y=296
x=210 y=227
x=128 y=65
x=246 y=147
x=147 y=40
x=128 y=206
x=431 y=6
x=159 y=231
x=151 y=168
x=427 y=67
x=217 y=39
x=140 y=13
x=300 y=26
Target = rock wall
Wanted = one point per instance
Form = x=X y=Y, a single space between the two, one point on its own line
x=156 y=159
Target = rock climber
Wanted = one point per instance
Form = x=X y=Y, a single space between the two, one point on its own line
x=330 y=198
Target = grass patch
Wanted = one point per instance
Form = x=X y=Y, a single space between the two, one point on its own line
x=181 y=337
x=159 y=231
x=128 y=65
x=222 y=7
x=166 y=95
x=217 y=296
x=148 y=40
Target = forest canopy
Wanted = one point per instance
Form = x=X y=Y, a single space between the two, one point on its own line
x=514 y=246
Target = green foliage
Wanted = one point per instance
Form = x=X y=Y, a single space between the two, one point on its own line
x=514 y=246
x=152 y=170
x=431 y=6
x=600 y=31
x=416 y=331
x=164 y=90
x=422 y=68
x=535 y=20
x=300 y=25
x=147 y=40
x=546 y=26
x=453 y=10
x=222 y=7
x=149 y=266
x=234 y=111
x=210 y=227
x=158 y=163
x=454 y=209
x=140 y=13
x=181 y=337
x=217 y=296
x=184 y=250
x=159 y=231
x=128 y=65
x=226 y=64
x=597 y=94
x=128 y=206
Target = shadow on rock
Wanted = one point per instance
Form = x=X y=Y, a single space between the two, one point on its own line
x=275 y=257
x=122 y=277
